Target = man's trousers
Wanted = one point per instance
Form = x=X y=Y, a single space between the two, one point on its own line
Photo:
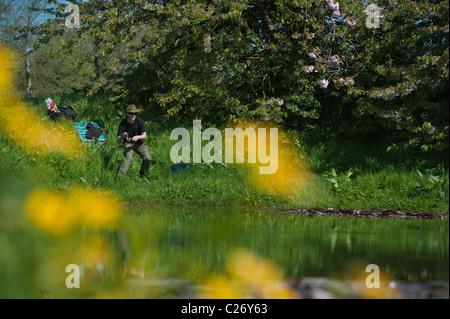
x=142 y=151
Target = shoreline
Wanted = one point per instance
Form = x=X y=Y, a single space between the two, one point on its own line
x=316 y=212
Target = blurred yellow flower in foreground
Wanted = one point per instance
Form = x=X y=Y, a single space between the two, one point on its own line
x=58 y=214
x=289 y=180
x=259 y=274
x=357 y=275
x=221 y=288
x=250 y=277
x=49 y=212
x=95 y=251
x=246 y=267
x=291 y=176
x=95 y=208
x=24 y=126
x=5 y=70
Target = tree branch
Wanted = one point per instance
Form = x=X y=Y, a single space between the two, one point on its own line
x=265 y=20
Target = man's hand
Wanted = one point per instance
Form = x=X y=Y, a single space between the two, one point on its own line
x=135 y=138
x=122 y=138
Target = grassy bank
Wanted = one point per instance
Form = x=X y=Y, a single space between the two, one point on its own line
x=345 y=174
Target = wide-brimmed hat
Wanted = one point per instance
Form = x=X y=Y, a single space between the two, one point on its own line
x=131 y=109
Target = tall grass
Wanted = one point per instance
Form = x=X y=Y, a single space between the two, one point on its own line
x=346 y=174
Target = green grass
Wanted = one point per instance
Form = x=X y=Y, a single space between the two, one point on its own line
x=346 y=174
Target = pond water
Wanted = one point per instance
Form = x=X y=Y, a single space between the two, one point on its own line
x=194 y=243
x=227 y=253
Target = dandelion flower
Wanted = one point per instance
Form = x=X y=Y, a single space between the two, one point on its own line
x=24 y=126
x=50 y=212
x=220 y=288
x=262 y=276
x=95 y=208
x=5 y=71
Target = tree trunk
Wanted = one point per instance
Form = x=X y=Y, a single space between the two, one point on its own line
x=28 y=77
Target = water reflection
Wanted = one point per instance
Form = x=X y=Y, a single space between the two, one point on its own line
x=177 y=252
x=192 y=243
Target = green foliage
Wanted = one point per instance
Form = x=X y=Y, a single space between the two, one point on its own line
x=215 y=61
x=338 y=181
x=58 y=66
x=434 y=180
x=232 y=60
x=263 y=60
x=403 y=87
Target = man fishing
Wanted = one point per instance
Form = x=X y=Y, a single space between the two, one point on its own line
x=132 y=133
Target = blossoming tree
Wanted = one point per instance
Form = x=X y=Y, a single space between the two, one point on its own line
x=288 y=61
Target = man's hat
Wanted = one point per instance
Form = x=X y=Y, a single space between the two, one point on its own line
x=131 y=109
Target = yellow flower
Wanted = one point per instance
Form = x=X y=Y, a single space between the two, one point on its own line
x=290 y=177
x=356 y=274
x=95 y=251
x=49 y=212
x=277 y=290
x=220 y=288
x=57 y=214
x=246 y=267
x=95 y=208
x=24 y=126
x=5 y=70
x=387 y=287
x=250 y=277
x=260 y=275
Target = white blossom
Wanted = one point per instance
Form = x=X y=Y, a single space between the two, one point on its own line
x=323 y=83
